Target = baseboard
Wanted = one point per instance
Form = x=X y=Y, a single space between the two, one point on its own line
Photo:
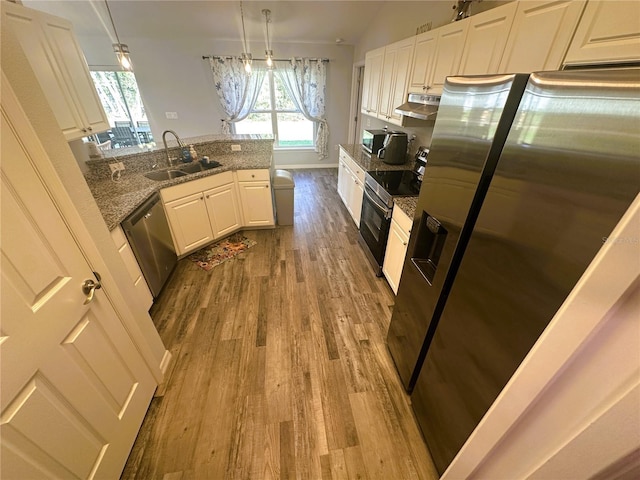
x=166 y=361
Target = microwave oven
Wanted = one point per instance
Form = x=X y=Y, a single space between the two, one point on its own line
x=372 y=140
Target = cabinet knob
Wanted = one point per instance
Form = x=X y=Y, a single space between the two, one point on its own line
x=404 y=244
x=253 y=176
x=266 y=186
x=84 y=129
x=90 y=129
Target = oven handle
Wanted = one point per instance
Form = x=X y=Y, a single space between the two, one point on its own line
x=385 y=210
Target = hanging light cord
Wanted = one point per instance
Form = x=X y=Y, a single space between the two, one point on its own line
x=112 y=22
x=267 y=17
x=244 y=35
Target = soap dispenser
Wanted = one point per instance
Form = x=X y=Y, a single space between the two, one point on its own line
x=192 y=151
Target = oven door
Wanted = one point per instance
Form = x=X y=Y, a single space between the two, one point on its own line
x=375 y=221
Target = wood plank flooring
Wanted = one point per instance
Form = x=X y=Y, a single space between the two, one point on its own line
x=280 y=368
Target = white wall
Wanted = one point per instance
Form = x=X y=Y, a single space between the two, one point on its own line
x=173 y=77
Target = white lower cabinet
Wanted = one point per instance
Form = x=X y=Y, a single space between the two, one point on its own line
x=351 y=185
x=212 y=207
x=255 y=197
x=140 y=284
x=224 y=210
x=189 y=222
x=396 y=248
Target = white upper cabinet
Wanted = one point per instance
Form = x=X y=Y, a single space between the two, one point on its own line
x=608 y=32
x=59 y=65
x=540 y=35
x=437 y=55
x=486 y=40
x=422 y=64
x=372 y=77
x=451 y=40
x=395 y=74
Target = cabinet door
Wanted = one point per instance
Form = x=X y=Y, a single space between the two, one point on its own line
x=342 y=180
x=422 y=64
x=224 y=210
x=540 y=35
x=608 y=32
x=448 y=54
x=486 y=40
x=189 y=222
x=24 y=23
x=73 y=65
x=140 y=284
x=401 y=79
x=356 y=193
x=395 y=74
x=257 y=205
x=372 y=77
x=394 y=255
x=386 y=81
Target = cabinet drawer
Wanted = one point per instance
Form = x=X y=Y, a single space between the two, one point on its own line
x=195 y=186
x=402 y=219
x=253 y=175
x=352 y=165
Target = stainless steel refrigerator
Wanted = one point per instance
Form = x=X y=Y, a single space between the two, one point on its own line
x=525 y=179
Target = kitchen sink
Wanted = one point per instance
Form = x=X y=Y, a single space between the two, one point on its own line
x=196 y=167
x=180 y=171
x=165 y=174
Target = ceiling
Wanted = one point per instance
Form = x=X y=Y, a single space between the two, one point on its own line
x=301 y=21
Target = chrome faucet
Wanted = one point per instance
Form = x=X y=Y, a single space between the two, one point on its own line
x=166 y=149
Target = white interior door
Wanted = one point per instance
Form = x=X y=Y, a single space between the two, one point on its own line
x=74 y=387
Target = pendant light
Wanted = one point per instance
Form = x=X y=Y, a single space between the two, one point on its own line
x=268 y=52
x=121 y=50
x=245 y=57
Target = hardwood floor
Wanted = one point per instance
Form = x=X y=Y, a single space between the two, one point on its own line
x=280 y=368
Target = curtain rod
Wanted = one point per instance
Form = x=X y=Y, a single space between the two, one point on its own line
x=206 y=57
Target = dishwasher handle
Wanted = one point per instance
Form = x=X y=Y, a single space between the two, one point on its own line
x=142 y=212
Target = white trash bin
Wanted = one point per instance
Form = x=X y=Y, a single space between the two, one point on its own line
x=283 y=192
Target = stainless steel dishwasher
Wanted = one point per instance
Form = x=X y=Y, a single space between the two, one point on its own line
x=148 y=232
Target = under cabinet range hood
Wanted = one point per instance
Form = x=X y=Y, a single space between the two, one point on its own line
x=423 y=107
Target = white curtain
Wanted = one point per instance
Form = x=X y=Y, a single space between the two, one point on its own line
x=237 y=90
x=305 y=81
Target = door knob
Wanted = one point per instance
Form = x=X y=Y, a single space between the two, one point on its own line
x=89 y=287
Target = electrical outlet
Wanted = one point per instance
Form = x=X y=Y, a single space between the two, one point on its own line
x=114 y=167
x=368 y=122
x=121 y=166
x=236 y=148
x=171 y=115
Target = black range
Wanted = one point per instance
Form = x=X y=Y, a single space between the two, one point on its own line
x=379 y=189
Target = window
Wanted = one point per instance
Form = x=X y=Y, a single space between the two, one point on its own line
x=120 y=98
x=275 y=113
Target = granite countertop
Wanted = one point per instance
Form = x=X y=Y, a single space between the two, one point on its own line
x=196 y=141
x=355 y=151
x=372 y=163
x=118 y=199
x=407 y=205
